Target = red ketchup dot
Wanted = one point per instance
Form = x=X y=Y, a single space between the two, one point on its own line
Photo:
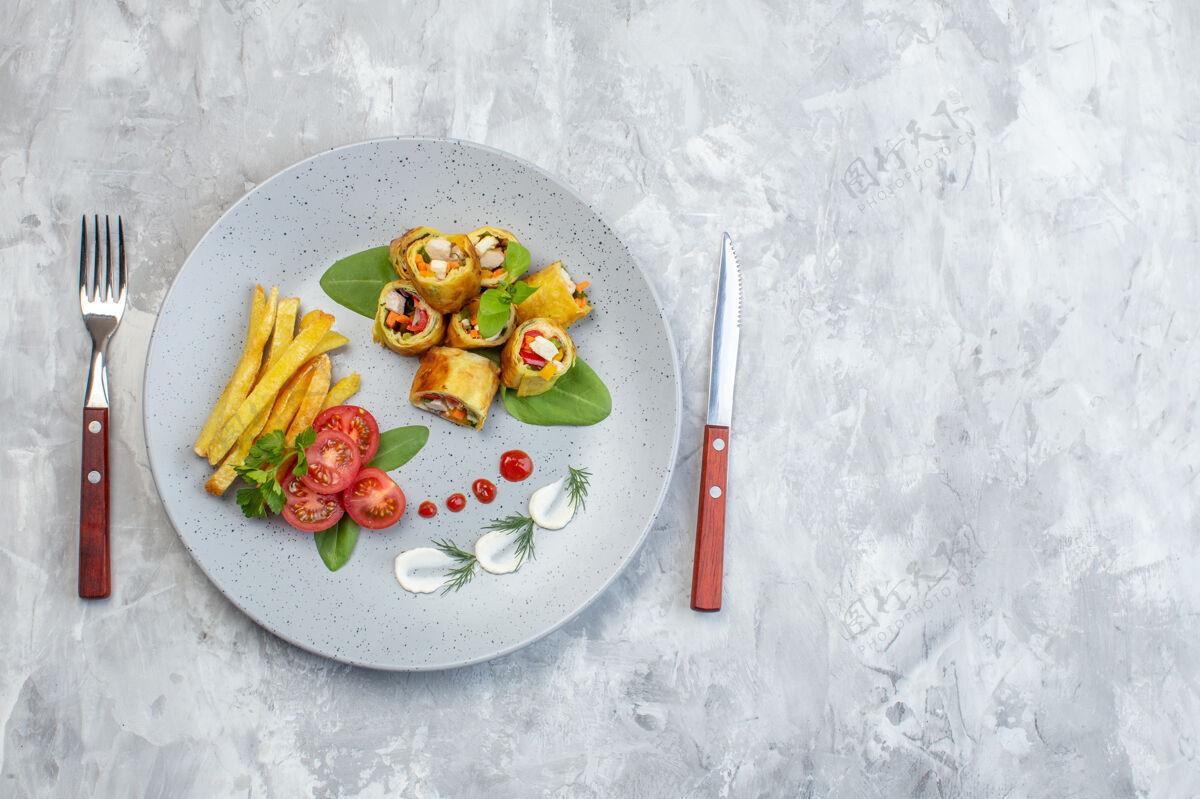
x=515 y=465
x=485 y=490
x=427 y=509
x=456 y=502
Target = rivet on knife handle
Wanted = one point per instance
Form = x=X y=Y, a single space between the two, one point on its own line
x=710 y=521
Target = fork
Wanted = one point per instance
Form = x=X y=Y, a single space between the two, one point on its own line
x=102 y=305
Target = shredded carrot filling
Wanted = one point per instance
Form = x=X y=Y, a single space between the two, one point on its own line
x=583 y=286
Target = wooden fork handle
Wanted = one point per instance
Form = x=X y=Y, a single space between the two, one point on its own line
x=710 y=521
x=93 y=507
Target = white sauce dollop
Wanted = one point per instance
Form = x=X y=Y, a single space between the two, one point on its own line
x=496 y=552
x=422 y=570
x=551 y=506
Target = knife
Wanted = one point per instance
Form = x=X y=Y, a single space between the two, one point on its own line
x=710 y=520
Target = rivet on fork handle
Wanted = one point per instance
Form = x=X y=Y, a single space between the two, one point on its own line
x=94 y=559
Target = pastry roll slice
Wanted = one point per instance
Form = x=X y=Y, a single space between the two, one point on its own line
x=444 y=270
x=398 y=246
x=491 y=247
x=404 y=322
x=462 y=330
x=535 y=356
x=456 y=385
x=557 y=297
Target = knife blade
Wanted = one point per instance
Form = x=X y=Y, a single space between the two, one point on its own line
x=710 y=518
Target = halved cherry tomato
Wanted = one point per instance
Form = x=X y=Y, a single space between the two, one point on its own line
x=373 y=499
x=333 y=460
x=355 y=422
x=304 y=509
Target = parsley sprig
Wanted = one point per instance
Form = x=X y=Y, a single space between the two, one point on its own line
x=461 y=574
x=264 y=494
x=494 y=303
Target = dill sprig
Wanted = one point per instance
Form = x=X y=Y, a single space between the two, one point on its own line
x=577 y=487
x=461 y=574
x=520 y=526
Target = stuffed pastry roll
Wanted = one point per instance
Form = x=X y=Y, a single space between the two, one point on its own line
x=491 y=247
x=404 y=322
x=462 y=328
x=456 y=385
x=535 y=356
x=557 y=297
x=398 y=246
x=444 y=270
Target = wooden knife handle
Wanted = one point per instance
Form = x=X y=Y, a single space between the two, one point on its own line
x=710 y=521
x=93 y=507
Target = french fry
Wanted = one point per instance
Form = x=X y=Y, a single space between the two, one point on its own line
x=285 y=329
x=286 y=403
x=224 y=476
x=262 y=320
x=318 y=387
x=264 y=392
x=331 y=341
x=289 y=399
x=342 y=390
x=310 y=317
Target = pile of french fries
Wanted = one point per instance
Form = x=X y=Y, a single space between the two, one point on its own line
x=282 y=381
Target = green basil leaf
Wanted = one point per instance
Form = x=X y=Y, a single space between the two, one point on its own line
x=491 y=353
x=578 y=398
x=521 y=292
x=355 y=281
x=493 y=312
x=398 y=445
x=335 y=544
x=516 y=260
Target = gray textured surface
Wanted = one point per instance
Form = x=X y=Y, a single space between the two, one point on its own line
x=962 y=531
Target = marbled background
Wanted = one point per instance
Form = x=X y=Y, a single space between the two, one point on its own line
x=962 y=537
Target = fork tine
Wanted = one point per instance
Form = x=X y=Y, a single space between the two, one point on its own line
x=94 y=290
x=120 y=261
x=83 y=259
x=109 y=296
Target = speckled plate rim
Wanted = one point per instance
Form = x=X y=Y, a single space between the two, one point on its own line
x=666 y=480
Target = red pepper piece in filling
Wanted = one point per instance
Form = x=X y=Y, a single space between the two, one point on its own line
x=420 y=318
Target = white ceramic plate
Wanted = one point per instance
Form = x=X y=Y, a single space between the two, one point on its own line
x=286 y=232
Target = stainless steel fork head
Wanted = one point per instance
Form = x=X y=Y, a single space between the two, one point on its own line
x=101 y=300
